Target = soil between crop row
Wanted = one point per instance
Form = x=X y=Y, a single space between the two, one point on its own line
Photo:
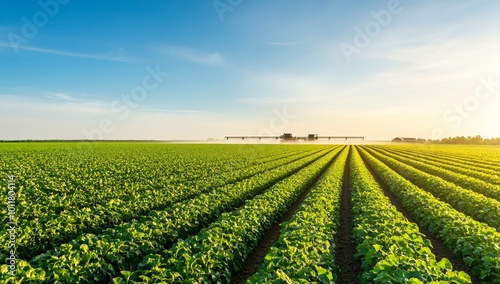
x=350 y=267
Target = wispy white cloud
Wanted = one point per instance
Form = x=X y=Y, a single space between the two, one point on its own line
x=66 y=104
x=5 y=29
x=409 y=80
x=277 y=100
x=423 y=64
x=32 y=119
x=439 y=66
x=118 y=55
x=58 y=104
x=60 y=96
x=186 y=111
x=192 y=55
x=288 y=43
x=282 y=88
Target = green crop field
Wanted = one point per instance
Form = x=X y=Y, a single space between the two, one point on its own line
x=137 y=212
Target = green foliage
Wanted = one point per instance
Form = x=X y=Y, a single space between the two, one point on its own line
x=221 y=249
x=471 y=168
x=391 y=248
x=474 y=242
x=475 y=205
x=305 y=251
x=100 y=257
x=164 y=213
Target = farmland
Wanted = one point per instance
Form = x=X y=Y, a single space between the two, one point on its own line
x=123 y=212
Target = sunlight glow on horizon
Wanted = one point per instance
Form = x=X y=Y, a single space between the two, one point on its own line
x=415 y=73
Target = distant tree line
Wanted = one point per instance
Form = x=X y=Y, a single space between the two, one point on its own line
x=473 y=140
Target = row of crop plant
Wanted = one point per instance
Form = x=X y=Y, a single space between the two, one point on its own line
x=208 y=236
x=41 y=232
x=98 y=258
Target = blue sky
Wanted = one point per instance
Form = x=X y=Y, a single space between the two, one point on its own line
x=98 y=69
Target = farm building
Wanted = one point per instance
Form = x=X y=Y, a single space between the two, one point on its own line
x=404 y=139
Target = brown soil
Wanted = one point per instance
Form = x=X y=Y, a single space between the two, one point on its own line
x=438 y=247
